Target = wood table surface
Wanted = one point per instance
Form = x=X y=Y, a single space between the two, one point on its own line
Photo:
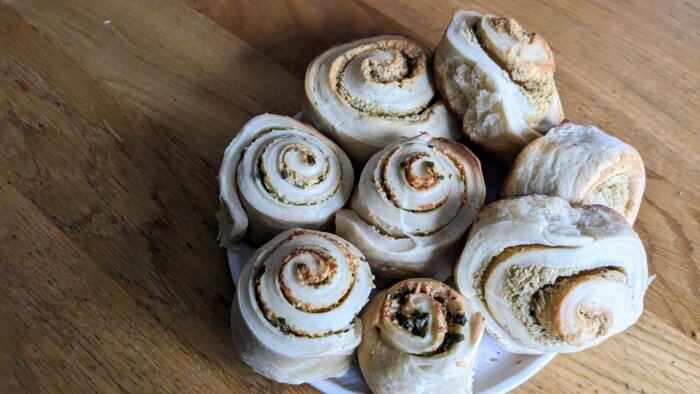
x=115 y=115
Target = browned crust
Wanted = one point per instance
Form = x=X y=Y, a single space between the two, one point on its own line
x=502 y=155
x=477 y=324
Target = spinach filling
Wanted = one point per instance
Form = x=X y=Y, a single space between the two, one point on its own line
x=416 y=322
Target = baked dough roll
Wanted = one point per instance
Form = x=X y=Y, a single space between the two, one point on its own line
x=366 y=93
x=414 y=201
x=419 y=337
x=278 y=174
x=294 y=316
x=583 y=165
x=549 y=277
x=499 y=79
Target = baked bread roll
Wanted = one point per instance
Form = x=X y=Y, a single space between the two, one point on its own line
x=583 y=165
x=278 y=174
x=419 y=337
x=415 y=199
x=549 y=277
x=294 y=316
x=366 y=93
x=499 y=79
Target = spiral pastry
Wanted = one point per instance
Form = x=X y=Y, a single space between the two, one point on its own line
x=583 y=165
x=419 y=337
x=366 y=93
x=294 y=316
x=499 y=79
x=414 y=201
x=278 y=174
x=549 y=277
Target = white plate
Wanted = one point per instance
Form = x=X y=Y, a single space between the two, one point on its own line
x=497 y=371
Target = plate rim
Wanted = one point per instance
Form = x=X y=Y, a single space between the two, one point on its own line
x=515 y=380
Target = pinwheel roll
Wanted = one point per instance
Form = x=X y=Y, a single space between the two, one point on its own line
x=366 y=93
x=415 y=199
x=499 y=79
x=278 y=174
x=419 y=337
x=583 y=165
x=294 y=316
x=549 y=277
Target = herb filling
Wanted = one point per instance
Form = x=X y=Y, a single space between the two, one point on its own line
x=416 y=322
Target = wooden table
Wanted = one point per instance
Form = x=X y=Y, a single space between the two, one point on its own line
x=115 y=115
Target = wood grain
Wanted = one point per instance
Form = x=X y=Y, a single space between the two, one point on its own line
x=114 y=119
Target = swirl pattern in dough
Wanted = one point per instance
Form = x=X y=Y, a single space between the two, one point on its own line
x=366 y=93
x=294 y=316
x=583 y=165
x=415 y=199
x=419 y=337
x=549 y=277
x=278 y=174
x=499 y=79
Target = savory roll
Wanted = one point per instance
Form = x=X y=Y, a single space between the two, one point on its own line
x=583 y=165
x=499 y=79
x=366 y=93
x=294 y=316
x=278 y=174
x=414 y=201
x=549 y=277
x=419 y=337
